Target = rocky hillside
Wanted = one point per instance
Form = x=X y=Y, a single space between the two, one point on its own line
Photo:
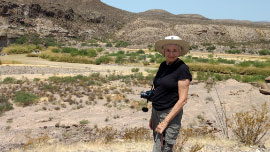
x=85 y=19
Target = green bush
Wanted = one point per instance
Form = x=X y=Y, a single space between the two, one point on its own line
x=220 y=77
x=193 y=47
x=149 y=46
x=103 y=59
x=50 y=41
x=132 y=59
x=36 y=79
x=234 y=51
x=91 y=53
x=66 y=57
x=210 y=48
x=140 y=52
x=245 y=64
x=202 y=76
x=84 y=122
x=56 y=50
x=4 y=105
x=9 y=80
x=21 y=40
x=257 y=64
x=25 y=98
x=264 y=52
x=68 y=79
x=122 y=44
x=117 y=53
x=99 y=49
x=94 y=44
x=108 y=44
x=135 y=70
x=220 y=60
x=75 y=52
x=35 y=39
x=226 y=69
x=68 y=50
x=261 y=64
x=120 y=59
x=141 y=57
x=253 y=78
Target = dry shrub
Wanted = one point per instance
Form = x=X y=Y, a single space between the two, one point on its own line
x=185 y=134
x=180 y=142
x=35 y=142
x=196 y=147
x=21 y=49
x=107 y=134
x=137 y=134
x=65 y=57
x=227 y=69
x=251 y=127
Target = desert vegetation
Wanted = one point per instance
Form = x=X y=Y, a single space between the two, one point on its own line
x=78 y=92
x=113 y=91
x=47 y=103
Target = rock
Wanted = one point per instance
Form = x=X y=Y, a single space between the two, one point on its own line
x=210 y=80
x=67 y=127
x=99 y=19
x=69 y=14
x=261 y=146
x=57 y=125
x=34 y=10
x=75 y=125
x=265 y=92
x=194 y=95
x=267 y=80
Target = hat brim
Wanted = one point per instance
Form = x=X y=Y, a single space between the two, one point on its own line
x=183 y=44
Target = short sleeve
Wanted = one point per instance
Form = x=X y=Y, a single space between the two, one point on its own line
x=183 y=72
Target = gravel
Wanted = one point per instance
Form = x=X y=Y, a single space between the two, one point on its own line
x=12 y=70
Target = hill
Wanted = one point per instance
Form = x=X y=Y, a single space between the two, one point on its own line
x=85 y=19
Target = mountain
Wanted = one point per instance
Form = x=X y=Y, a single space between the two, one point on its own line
x=85 y=19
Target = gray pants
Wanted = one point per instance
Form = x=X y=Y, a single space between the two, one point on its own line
x=170 y=134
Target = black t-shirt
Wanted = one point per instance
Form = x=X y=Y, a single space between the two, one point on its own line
x=166 y=84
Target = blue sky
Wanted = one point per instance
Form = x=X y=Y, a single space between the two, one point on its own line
x=253 y=10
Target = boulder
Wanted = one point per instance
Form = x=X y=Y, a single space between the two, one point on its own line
x=34 y=10
x=69 y=14
x=265 y=91
x=267 y=80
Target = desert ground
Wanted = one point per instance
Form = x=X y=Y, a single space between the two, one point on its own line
x=62 y=129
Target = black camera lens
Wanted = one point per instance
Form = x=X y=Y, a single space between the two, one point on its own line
x=145 y=109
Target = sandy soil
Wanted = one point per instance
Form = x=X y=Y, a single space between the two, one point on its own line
x=34 y=120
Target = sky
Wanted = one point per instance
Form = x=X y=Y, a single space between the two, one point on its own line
x=252 y=10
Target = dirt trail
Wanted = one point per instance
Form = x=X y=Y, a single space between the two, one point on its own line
x=85 y=68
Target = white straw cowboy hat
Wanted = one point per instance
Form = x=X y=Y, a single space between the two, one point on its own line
x=172 y=40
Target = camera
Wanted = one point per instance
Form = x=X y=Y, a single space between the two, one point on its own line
x=148 y=96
